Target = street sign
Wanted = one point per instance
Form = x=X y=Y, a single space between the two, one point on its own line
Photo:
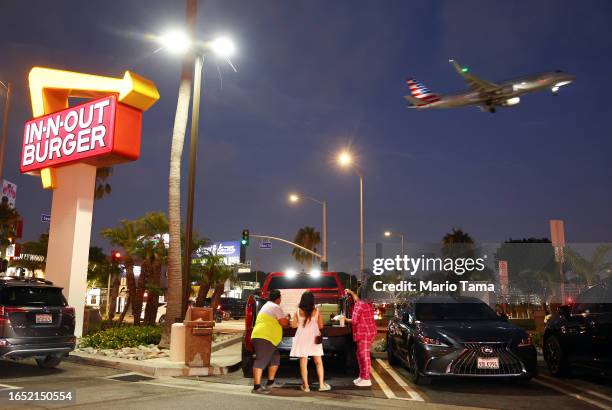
x=46 y=218
x=266 y=244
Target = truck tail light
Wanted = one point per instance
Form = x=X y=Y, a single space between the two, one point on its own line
x=68 y=311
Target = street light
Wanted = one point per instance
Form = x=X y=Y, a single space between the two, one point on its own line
x=294 y=198
x=178 y=42
x=389 y=234
x=345 y=160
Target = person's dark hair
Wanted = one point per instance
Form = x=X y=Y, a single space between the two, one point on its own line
x=307 y=304
x=362 y=292
x=274 y=294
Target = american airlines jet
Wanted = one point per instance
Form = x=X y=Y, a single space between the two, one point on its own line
x=483 y=93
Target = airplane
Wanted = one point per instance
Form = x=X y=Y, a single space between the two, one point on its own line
x=485 y=94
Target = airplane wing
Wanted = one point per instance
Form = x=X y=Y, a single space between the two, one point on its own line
x=475 y=83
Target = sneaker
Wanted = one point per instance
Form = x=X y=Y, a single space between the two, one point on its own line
x=260 y=390
x=305 y=389
x=357 y=380
x=325 y=387
x=364 y=383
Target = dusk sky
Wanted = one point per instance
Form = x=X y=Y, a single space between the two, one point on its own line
x=316 y=76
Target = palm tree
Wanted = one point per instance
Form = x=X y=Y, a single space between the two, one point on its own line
x=103 y=188
x=309 y=238
x=589 y=269
x=38 y=249
x=126 y=236
x=153 y=254
x=174 y=294
x=8 y=217
x=208 y=275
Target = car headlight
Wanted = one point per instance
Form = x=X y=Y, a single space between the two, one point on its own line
x=526 y=341
x=432 y=341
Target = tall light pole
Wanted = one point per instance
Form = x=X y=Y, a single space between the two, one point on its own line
x=388 y=234
x=296 y=198
x=5 y=117
x=178 y=42
x=345 y=160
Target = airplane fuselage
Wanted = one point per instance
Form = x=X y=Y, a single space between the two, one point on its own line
x=508 y=93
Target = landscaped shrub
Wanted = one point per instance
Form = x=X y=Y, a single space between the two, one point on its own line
x=125 y=336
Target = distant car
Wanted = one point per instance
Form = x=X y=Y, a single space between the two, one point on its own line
x=160 y=318
x=445 y=336
x=35 y=321
x=580 y=334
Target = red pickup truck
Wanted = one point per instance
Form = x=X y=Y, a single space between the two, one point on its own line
x=329 y=297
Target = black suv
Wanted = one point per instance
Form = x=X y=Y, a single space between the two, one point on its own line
x=35 y=321
x=446 y=336
x=580 y=334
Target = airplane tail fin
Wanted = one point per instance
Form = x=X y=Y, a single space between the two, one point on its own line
x=421 y=95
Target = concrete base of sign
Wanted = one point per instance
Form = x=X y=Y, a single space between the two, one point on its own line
x=177 y=343
x=69 y=235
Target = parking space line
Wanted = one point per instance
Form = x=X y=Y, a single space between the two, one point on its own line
x=9 y=387
x=574 y=395
x=385 y=388
x=398 y=379
x=579 y=388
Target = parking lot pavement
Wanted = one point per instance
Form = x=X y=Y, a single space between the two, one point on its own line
x=98 y=387
x=392 y=384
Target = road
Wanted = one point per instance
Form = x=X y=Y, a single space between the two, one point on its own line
x=98 y=388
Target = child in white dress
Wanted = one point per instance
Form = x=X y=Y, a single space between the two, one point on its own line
x=308 y=323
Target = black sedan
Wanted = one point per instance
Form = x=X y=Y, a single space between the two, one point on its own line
x=580 y=334
x=446 y=336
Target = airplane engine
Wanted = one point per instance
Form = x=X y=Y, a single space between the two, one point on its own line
x=511 y=101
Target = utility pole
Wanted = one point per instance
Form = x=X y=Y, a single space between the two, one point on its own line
x=5 y=118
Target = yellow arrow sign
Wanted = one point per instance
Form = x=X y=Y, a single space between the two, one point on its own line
x=51 y=88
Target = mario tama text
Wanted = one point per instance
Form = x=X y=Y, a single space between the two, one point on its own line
x=430 y=286
x=411 y=266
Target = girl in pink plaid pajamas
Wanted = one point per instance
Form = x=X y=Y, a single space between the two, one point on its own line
x=364 y=333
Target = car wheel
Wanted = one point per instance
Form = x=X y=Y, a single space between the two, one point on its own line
x=247 y=362
x=48 y=362
x=414 y=371
x=162 y=319
x=393 y=361
x=554 y=356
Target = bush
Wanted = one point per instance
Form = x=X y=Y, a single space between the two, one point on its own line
x=536 y=339
x=380 y=345
x=125 y=336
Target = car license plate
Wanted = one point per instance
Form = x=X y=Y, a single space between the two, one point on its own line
x=488 y=363
x=44 y=318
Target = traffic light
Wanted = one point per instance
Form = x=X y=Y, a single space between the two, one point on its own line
x=245 y=237
x=115 y=256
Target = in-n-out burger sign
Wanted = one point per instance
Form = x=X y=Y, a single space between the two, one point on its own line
x=100 y=132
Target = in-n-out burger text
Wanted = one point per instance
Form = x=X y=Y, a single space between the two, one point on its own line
x=75 y=133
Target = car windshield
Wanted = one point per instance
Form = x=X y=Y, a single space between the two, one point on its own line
x=454 y=311
x=32 y=296
x=302 y=282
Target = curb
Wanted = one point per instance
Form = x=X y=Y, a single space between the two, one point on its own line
x=168 y=369
x=226 y=343
x=148 y=368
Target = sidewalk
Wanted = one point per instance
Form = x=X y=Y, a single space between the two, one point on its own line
x=221 y=362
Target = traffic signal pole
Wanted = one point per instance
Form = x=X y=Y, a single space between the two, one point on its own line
x=289 y=243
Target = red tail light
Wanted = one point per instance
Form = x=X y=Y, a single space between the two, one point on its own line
x=4 y=311
x=68 y=311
